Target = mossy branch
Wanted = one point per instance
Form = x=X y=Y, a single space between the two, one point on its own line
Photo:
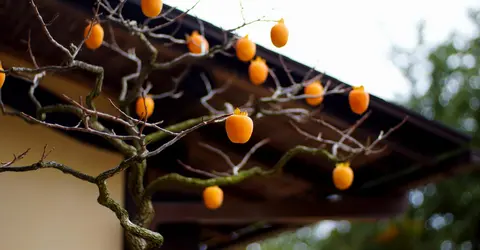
x=42 y=164
x=104 y=199
x=97 y=89
x=125 y=164
x=165 y=180
x=178 y=127
x=51 y=164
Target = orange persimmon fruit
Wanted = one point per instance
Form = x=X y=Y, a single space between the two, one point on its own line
x=213 y=197
x=279 y=34
x=196 y=42
x=2 y=76
x=258 y=71
x=144 y=107
x=342 y=175
x=239 y=127
x=94 y=41
x=358 y=100
x=151 y=8
x=245 y=49
x=315 y=88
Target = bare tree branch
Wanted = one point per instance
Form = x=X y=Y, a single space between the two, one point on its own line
x=211 y=93
x=174 y=93
x=197 y=171
x=185 y=132
x=50 y=164
x=137 y=84
x=6 y=167
x=154 y=238
x=165 y=180
x=15 y=159
x=86 y=129
x=236 y=167
x=358 y=147
x=49 y=36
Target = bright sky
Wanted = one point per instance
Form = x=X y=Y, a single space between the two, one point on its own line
x=347 y=39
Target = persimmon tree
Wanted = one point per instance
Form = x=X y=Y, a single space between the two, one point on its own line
x=135 y=145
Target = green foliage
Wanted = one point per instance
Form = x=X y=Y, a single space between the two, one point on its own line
x=445 y=215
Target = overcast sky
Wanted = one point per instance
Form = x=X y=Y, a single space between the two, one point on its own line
x=352 y=39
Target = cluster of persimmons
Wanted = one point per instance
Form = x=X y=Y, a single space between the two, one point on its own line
x=238 y=126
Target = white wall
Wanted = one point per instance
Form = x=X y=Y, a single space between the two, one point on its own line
x=46 y=209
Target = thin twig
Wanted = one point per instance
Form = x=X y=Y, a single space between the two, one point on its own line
x=219 y=152
x=236 y=167
x=211 y=93
x=78 y=129
x=15 y=159
x=51 y=164
x=184 y=133
x=45 y=30
x=197 y=171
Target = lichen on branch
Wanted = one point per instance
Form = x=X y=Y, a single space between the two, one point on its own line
x=235 y=178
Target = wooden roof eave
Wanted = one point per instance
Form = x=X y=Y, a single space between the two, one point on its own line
x=384 y=115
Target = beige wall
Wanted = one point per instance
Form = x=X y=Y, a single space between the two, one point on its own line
x=46 y=209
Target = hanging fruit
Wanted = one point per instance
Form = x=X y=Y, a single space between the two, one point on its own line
x=342 y=175
x=151 y=8
x=239 y=127
x=245 y=49
x=213 y=197
x=358 y=100
x=315 y=89
x=279 y=34
x=2 y=76
x=94 y=41
x=258 y=71
x=196 y=42
x=144 y=106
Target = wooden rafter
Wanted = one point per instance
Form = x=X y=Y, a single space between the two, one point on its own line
x=300 y=212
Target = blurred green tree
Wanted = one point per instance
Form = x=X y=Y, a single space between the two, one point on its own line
x=444 y=215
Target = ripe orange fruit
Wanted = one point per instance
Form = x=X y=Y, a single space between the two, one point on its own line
x=151 y=8
x=95 y=39
x=144 y=106
x=2 y=76
x=358 y=100
x=213 y=197
x=246 y=49
x=342 y=175
x=314 y=88
x=195 y=42
x=239 y=127
x=258 y=71
x=279 y=34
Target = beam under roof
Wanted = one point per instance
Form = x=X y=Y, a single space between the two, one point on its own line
x=282 y=212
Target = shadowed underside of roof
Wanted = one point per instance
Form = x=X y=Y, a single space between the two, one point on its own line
x=410 y=160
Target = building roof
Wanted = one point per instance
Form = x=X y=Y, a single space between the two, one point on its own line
x=412 y=157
